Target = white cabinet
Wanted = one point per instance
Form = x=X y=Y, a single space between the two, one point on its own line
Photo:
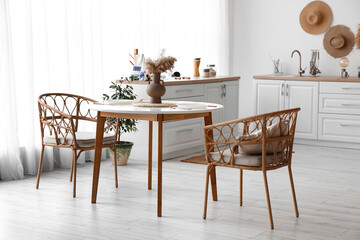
x=330 y=110
x=231 y=100
x=339 y=103
x=342 y=128
x=269 y=96
x=304 y=95
x=184 y=137
x=339 y=112
x=275 y=95
x=214 y=94
x=226 y=94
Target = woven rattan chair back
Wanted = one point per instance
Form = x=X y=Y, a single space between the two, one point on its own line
x=227 y=138
x=272 y=132
x=60 y=115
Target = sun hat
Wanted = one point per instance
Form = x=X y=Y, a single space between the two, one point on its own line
x=316 y=17
x=339 y=41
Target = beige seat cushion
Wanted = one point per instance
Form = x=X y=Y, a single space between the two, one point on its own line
x=273 y=131
x=244 y=159
x=84 y=139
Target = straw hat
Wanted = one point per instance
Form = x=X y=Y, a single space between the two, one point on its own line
x=339 y=41
x=316 y=17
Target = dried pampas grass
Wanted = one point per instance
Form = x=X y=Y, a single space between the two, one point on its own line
x=161 y=64
x=357 y=38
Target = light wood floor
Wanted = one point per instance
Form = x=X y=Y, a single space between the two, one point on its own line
x=327 y=182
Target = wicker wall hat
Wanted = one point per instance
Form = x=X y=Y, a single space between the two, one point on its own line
x=316 y=17
x=339 y=41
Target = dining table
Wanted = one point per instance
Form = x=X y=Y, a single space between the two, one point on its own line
x=176 y=110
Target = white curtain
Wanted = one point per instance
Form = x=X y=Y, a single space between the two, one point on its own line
x=80 y=46
x=10 y=164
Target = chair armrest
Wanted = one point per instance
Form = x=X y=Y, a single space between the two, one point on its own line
x=227 y=136
x=63 y=124
x=55 y=110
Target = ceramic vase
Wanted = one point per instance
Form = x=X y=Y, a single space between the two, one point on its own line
x=155 y=89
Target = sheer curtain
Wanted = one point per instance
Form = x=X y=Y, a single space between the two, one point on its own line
x=10 y=164
x=80 y=46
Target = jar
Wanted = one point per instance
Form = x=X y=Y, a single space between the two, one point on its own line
x=212 y=70
x=206 y=72
x=196 y=67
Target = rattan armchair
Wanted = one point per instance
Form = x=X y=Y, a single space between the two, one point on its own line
x=266 y=144
x=60 y=115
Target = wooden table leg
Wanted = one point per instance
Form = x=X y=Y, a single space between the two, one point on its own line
x=159 y=190
x=97 y=159
x=208 y=121
x=150 y=154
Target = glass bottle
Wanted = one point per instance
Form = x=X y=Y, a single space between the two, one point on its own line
x=196 y=67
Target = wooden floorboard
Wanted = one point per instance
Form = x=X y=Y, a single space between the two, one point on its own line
x=327 y=183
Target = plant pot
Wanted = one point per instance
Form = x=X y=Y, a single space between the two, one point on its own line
x=155 y=90
x=123 y=150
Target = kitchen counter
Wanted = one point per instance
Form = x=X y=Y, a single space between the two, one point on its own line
x=193 y=80
x=307 y=78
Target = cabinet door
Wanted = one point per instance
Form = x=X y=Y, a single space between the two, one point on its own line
x=269 y=96
x=304 y=95
x=231 y=100
x=213 y=94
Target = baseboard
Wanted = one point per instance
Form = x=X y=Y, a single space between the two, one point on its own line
x=321 y=143
x=167 y=156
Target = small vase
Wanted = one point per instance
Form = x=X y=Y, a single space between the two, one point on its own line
x=155 y=90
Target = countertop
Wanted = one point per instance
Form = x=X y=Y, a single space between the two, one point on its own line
x=193 y=80
x=307 y=78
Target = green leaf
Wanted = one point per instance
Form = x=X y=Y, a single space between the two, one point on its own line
x=126 y=125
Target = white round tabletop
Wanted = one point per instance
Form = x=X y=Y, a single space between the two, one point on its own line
x=181 y=107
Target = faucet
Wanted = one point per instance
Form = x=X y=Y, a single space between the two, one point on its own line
x=301 y=72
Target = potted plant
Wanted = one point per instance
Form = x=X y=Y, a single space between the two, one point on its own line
x=123 y=148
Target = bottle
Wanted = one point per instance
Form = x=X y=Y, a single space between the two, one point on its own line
x=196 y=67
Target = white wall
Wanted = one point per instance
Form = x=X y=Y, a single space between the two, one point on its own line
x=263 y=27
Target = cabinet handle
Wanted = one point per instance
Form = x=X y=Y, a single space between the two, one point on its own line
x=287 y=90
x=282 y=89
x=224 y=90
x=349 y=125
x=185 y=130
x=351 y=104
x=184 y=90
x=350 y=87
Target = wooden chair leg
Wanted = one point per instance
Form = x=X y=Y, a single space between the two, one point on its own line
x=72 y=168
x=241 y=187
x=74 y=174
x=213 y=183
x=40 y=166
x=209 y=167
x=150 y=154
x=268 y=199
x=293 y=191
x=115 y=168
